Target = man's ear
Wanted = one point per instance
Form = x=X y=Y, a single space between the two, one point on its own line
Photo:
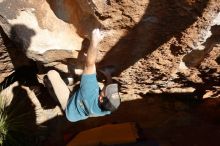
x=100 y=99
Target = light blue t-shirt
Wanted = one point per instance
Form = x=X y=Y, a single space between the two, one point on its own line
x=84 y=102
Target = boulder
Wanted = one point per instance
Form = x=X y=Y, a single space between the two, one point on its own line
x=23 y=95
x=6 y=66
x=11 y=57
x=43 y=27
x=149 y=42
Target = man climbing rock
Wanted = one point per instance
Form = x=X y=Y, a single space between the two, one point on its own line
x=88 y=100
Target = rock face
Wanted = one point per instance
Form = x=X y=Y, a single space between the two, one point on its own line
x=20 y=94
x=38 y=29
x=5 y=61
x=156 y=46
x=11 y=57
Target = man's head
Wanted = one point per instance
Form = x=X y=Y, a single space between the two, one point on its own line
x=109 y=99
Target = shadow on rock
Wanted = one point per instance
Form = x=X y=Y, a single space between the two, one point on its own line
x=162 y=21
x=21 y=120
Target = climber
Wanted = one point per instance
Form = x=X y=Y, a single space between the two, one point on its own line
x=88 y=100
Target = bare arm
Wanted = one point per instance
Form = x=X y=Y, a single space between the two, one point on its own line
x=90 y=60
x=92 y=53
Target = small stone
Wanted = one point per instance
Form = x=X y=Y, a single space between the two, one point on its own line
x=208 y=94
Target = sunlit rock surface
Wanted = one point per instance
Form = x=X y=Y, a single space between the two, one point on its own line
x=155 y=46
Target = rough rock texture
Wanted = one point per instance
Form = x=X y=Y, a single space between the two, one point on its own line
x=156 y=46
x=38 y=29
x=158 y=53
x=5 y=61
x=11 y=57
x=20 y=94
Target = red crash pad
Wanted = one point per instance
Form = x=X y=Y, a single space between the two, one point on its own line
x=107 y=135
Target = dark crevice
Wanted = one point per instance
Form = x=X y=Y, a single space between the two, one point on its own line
x=101 y=17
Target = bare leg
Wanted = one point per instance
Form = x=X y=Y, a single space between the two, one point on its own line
x=60 y=89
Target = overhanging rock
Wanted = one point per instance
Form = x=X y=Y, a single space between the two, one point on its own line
x=47 y=25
